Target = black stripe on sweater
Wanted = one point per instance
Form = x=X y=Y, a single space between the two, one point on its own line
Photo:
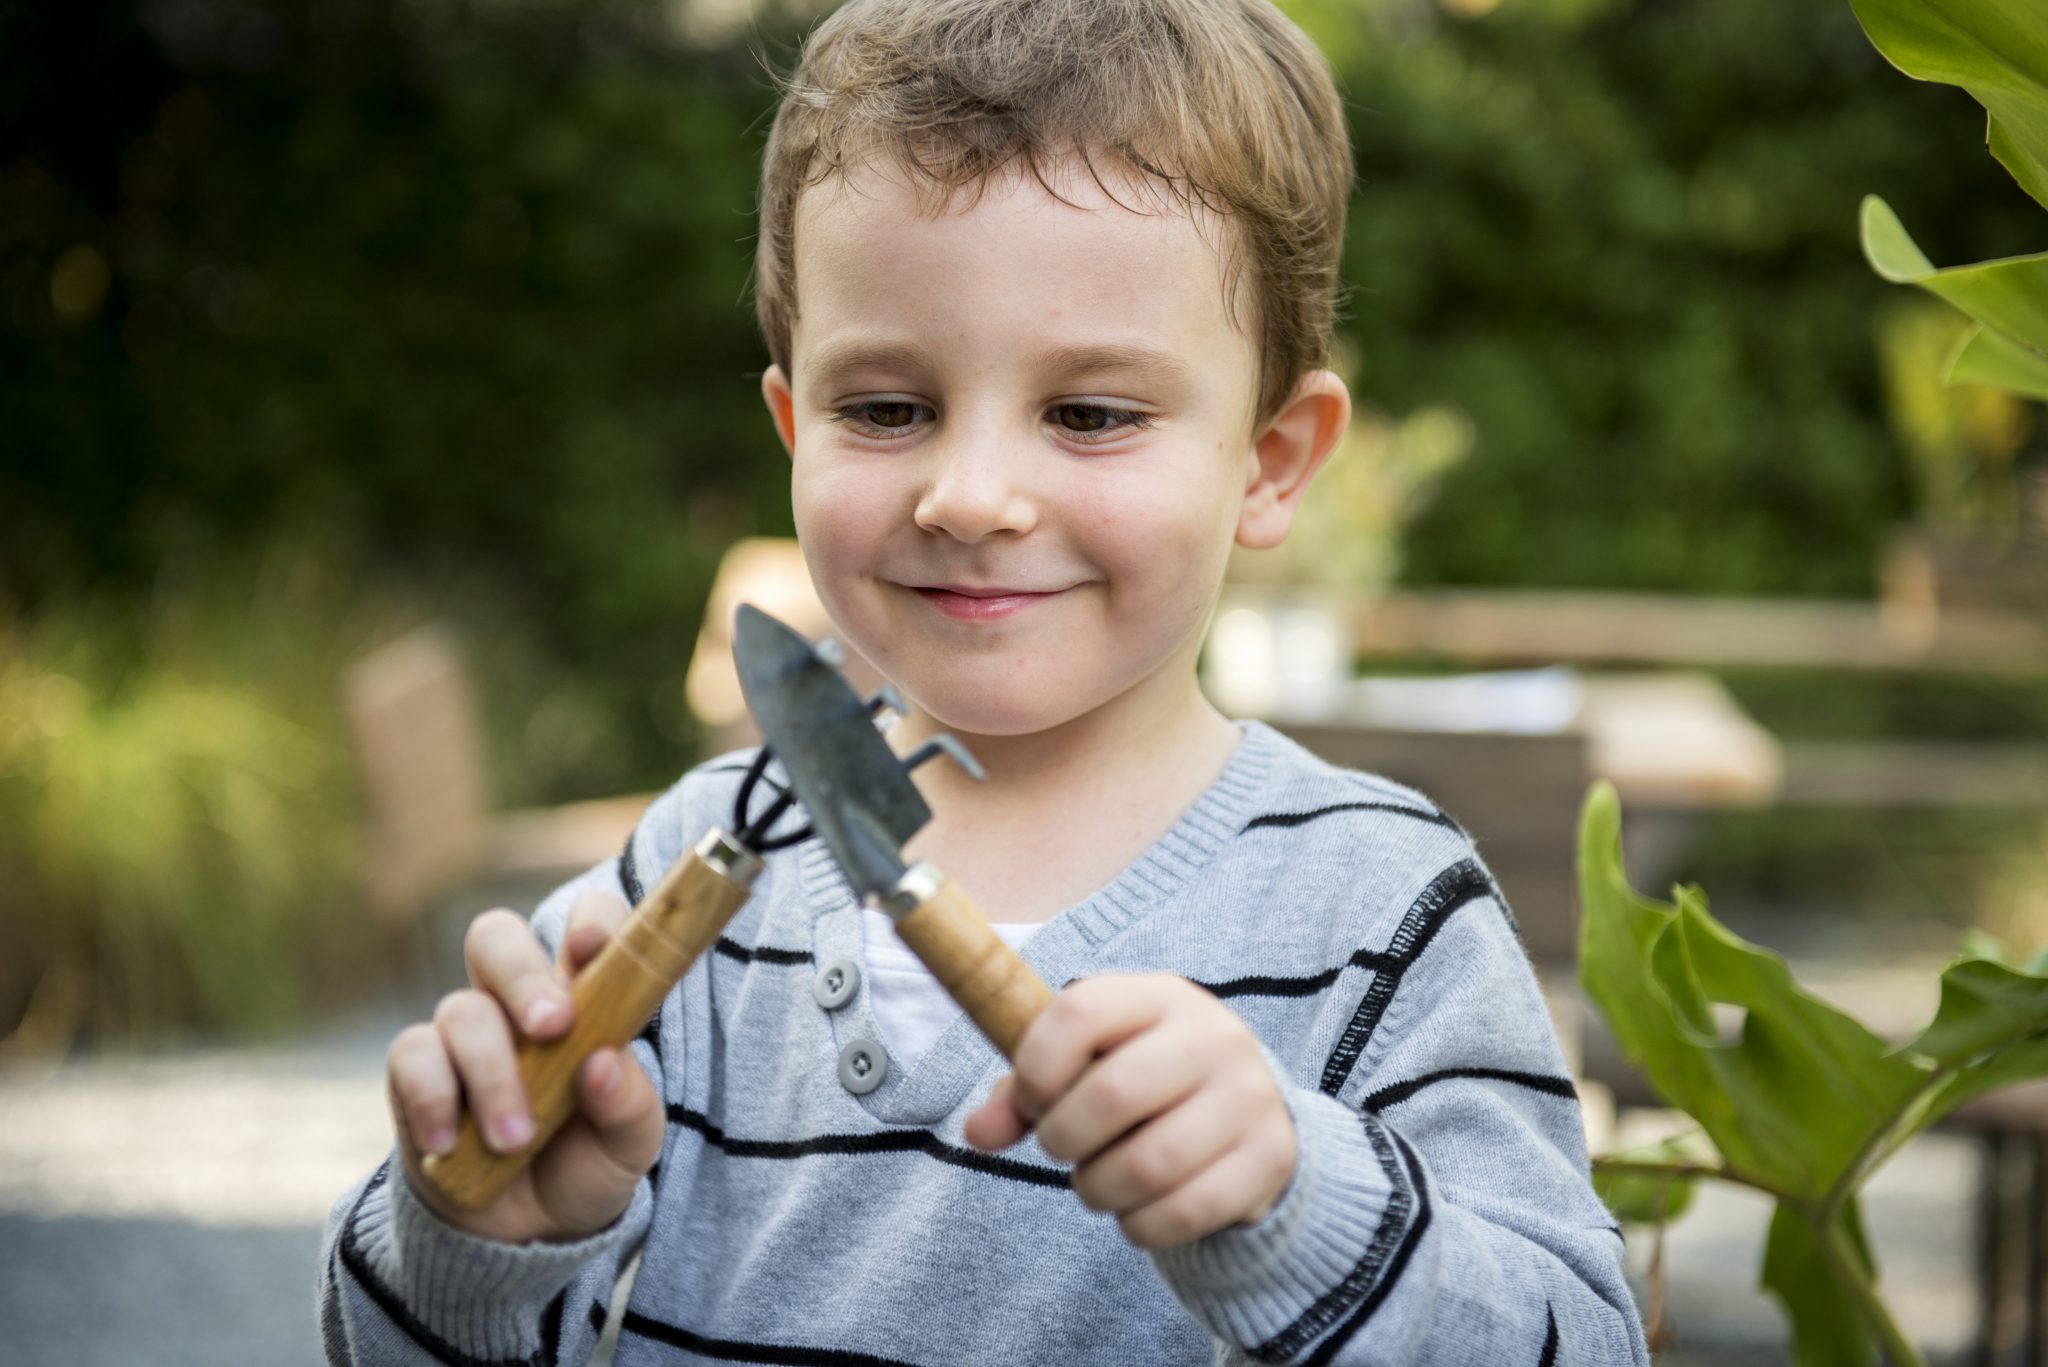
x=729 y=1350
x=1332 y=1303
x=597 y=1318
x=1262 y=986
x=1287 y=819
x=1457 y=885
x=1549 y=1358
x=394 y=1309
x=629 y=877
x=1329 y=1347
x=1535 y=1082
x=880 y=1141
x=551 y=1330
x=767 y=954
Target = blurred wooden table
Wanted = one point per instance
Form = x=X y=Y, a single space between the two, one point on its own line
x=1669 y=742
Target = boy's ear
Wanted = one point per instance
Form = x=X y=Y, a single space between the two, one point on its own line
x=781 y=405
x=1286 y=452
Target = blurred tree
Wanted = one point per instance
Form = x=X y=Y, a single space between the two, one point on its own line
x=463 y=282
x=1622 y=238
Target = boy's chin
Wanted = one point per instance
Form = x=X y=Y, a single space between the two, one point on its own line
x=1006 y=707
x=984 y=716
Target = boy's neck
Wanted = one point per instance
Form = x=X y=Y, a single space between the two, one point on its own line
x=1064 y=810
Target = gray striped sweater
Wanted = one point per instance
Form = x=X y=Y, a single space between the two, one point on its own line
x=1439 y=1214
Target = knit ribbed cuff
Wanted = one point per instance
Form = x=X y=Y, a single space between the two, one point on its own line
x=1252 y=1284
x=484 y=1297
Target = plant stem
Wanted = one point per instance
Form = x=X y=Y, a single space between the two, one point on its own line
x=1631 y=1167
x=1834 y=1242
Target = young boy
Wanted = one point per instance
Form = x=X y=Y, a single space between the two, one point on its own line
x=1047 y=287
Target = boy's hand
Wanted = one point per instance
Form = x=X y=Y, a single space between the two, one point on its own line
x=584 y=1179
x=1158 y=1095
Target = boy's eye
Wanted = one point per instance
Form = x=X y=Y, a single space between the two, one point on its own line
x=890 y=414
x=1094 y=420
x=877 y=417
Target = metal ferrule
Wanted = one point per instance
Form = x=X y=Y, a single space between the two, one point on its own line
x=918 y=885
x=728 y=857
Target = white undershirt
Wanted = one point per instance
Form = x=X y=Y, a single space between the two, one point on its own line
x=909 y=1005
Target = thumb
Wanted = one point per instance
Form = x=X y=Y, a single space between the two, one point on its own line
x=593 y=919
x=998 y=1124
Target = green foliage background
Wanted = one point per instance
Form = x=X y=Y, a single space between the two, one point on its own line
x=465 y=286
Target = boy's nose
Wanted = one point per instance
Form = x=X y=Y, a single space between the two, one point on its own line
x=972 y=492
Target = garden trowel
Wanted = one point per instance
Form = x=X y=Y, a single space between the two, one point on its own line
x=863 y=805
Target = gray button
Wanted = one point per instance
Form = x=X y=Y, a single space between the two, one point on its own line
x=862 y=1066
x=836 y=983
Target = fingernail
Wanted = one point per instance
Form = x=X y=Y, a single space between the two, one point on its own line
x=442 y=1141
x=512 y=1131
x=539 y=1015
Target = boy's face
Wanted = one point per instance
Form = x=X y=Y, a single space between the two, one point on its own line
x=1022 y=441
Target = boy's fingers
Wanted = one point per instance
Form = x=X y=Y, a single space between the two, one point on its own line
x=1091 y=1017
x=593 y=917
x=478 y=1039
x=425 y=1097
x=1122 y=1089
x=1235 y=1188
x=998 y=1123
x=507 y=961
x=1161 y=1155
x=620 y=1104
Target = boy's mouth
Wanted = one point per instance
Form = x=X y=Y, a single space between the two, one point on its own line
x=967 y=603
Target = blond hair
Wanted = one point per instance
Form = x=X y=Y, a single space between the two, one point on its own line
x=1222 y=103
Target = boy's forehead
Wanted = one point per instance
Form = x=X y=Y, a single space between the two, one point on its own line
x=1072 y=258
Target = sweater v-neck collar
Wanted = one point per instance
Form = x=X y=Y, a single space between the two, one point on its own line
x=1067 y=948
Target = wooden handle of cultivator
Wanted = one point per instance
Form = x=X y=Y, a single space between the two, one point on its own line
x=610 y=999
x=989 y=979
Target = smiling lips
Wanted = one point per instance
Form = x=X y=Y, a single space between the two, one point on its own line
x=964 y=604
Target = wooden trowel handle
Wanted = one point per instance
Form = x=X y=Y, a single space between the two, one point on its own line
x=610 y=999
x=989 y=979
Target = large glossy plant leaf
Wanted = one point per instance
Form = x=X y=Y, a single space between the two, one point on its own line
x=1995 y=49
x=2009 y=295
x=1799 y=1099
x=1789 y=1089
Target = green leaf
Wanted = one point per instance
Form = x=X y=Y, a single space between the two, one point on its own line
x=2013 y=155
x=1992 y=358
x=2022 y=1062
x=1795 y=1094
x=1985 y=1005
x=2010 y=295
x=1990 y=1031
x=1828 y=1328
x=1995 y=49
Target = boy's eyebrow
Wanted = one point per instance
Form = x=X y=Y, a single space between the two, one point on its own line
x=1160 y=367
x=836 y=359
